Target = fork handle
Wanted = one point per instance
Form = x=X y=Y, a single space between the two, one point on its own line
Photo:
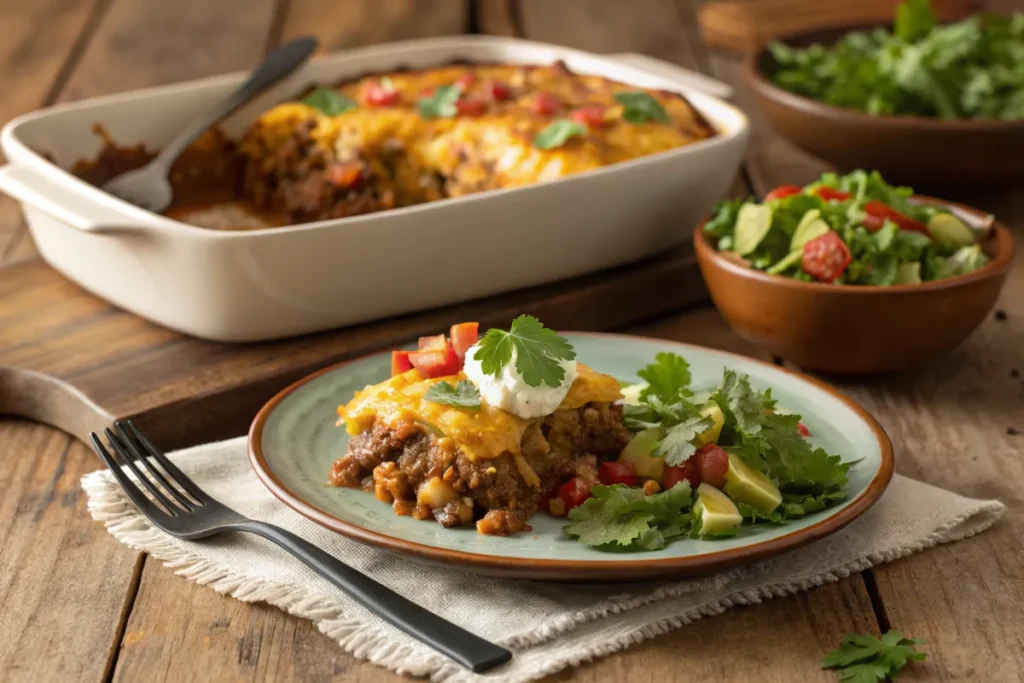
x=465 y=648
x=278 y=64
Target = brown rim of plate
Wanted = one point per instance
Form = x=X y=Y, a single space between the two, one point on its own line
x=588 y=569
x=759 y=80
x=1001 y=236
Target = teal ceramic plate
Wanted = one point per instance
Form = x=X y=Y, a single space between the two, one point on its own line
x=294 y=441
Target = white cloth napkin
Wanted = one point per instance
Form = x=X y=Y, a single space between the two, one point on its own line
x=547 y=626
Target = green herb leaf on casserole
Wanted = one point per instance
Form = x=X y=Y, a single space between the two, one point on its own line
x=329 y=101
x=441 y=103
x=461 y=395
x=640 y=107
x=557 y=133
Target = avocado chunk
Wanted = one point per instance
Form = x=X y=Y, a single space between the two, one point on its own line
x=908 y=274
x=752 y=225
x=640 y=453
x=810 y=227
x=717 y=513
x=744 y=484
x=948 y=230
x=711 y=434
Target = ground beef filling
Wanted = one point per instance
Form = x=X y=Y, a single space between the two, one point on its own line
x=428 y=477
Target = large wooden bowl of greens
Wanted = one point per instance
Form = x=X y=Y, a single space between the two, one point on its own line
x=926 y=104
x=850 y=275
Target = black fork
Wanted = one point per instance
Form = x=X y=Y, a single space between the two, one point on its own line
x=183 y=510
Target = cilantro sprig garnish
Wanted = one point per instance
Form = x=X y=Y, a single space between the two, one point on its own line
x=539 y=352
x=461 y=395
x=559 y=132
x=620 y=518
x=441 y=103
x=329 y=101
x=866 y=659
x=640 y=107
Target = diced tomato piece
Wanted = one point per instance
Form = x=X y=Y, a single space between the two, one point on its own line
x=463 y=336
x=804 y=431
x=500 y=91
x=471 y=106
x=574 y=492
x=829 y=193
x=346 y=175
x=436 y=363
x=826 y=257
x=400 y=362
x=435 y=343
x=873 y=223
x=782 y=191
x=379 y=96
x=713 y=462
x=879 y=210
x=673 y=474
x=465 y=80
x=617 y=473
x=545 y=103
x=591 y=116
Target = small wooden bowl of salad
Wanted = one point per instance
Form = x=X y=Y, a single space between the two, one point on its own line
x=850 y=275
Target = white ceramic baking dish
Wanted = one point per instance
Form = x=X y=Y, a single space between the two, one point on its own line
x=265 y=284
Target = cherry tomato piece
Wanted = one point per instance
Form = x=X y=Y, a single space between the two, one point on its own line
x=463 y=336
x=673 y=474
x=713 y=462
x=802 y=428
x=591 y=116
x=782 y=191
x=826 y=257
x=574 y=492
x=879 y=210
x=471 y=106
x=379 y=96
x=545 y=103
x=438 y=363
x=829 y=193
x=500 y=92
x=400 y=362
x=873 y=223
x=617 y=473
x=435 y=343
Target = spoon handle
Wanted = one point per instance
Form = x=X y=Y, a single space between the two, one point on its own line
x=279 y=63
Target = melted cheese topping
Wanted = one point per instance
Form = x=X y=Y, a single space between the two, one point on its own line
x=481 y=434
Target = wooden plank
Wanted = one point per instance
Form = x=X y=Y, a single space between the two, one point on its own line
x=63 y=579
x=343 y=25
x=41 y=41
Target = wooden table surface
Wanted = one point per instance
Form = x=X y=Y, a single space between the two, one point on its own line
x=78 y=606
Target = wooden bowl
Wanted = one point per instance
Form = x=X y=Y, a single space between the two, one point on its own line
x=853 y=329
x=912 y=150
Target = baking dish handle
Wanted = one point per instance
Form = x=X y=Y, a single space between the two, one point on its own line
x=31 y=187
x=686 y=78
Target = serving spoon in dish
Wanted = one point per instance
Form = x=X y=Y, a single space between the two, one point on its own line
x=148 y=187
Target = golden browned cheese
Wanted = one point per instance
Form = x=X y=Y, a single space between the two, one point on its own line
x=481 y=434
x=421 y=160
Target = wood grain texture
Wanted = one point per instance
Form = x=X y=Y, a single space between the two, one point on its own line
x=343 y=25
x=63 y=580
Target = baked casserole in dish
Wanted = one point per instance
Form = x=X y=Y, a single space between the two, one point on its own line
x=439 y=171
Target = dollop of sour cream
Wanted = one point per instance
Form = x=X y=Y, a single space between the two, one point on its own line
x=510 y=392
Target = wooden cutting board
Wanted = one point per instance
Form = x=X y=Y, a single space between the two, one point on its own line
x=76 y=362
x=744 y=25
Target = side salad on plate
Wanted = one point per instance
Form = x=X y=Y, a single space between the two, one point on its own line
x=853 y=229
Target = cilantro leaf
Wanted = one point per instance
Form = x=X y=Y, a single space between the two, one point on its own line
x=329 y=101
x=462 y=395
x=866 y=659
x=668 y=377
x=538 y=352
x=640 y=107
x=441 y=102
x=677 y=446
x=558 y=132
x=622 y=518
x=742 y=406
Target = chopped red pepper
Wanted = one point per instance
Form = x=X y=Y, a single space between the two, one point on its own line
x=379 y=96
x=545 y=103
x=471 y=106
x=802 y=428
x=435 y=343
x=879 y=210
x=829 y=193
x=463 y=336
x=591 y=115
x=400 y=362
x=440 y=363
x=617 y=473
x=826 y=257
x=500 y=92
x=574 y=492
x=782 y=191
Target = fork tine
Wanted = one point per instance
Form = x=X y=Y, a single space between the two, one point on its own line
x=137 y=454
x=130 y=455
x=133 y=491
x=176 y=474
